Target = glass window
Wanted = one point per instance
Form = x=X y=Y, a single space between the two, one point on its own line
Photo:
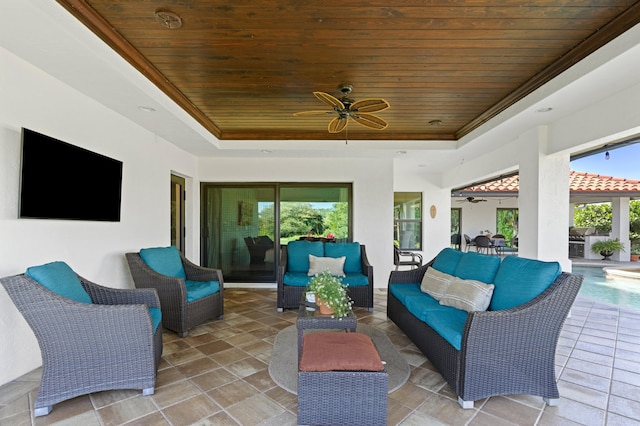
x=507 y=225
x=456 y=236
x=407 y=220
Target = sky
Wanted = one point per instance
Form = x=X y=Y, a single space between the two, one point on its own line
x=622 y=163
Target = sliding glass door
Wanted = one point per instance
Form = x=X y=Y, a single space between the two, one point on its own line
x=243 y=225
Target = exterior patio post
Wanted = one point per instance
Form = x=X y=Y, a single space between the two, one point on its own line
x=620 y=227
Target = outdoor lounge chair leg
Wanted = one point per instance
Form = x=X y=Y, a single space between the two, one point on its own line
x=148 y=391
x=42 y=411
x=465 y=404
x=280 y=309
x=552 y=402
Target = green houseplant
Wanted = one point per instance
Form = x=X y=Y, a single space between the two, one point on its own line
x=332 y=292
x=607 y=247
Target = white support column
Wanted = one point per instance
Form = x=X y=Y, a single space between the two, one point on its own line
x=620 y=226
x=543 y=201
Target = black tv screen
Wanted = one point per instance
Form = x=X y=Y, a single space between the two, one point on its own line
x=63 y=181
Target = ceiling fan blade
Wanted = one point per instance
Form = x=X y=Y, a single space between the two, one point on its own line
x=329 y=99
x=337 y=125
x=370 y=105
x=370 y=120
x=296 y=114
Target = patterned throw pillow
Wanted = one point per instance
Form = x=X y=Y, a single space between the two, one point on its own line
x=435 y=283
x=468 y=295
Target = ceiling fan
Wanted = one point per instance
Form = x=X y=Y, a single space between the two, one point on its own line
x=346 y=108
x=473 y=200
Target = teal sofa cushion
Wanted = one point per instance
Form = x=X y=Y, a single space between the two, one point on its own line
x=479 y=267
x=298 y=254
x=355 y=280
x=448 y=322
x=351 y=251
x=156 y=317
x=59 y=278
x=520 y=280
x=297 y=279
x=403 y=292
x=164 y=260
x=199 y=289
x=447 y=260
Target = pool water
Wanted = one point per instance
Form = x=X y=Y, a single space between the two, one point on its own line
x=618 y=291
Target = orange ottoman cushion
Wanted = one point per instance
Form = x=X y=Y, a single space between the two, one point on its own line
x=333 y=351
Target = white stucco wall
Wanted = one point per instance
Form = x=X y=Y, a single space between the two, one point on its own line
x=32 y=99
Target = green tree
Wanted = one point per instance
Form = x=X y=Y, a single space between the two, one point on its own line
x=599 y=217
x=336 y=220
x=300 y=219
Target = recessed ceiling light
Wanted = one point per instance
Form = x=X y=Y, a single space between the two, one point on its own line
x=546 y=109
x=146 y=108
x=168 y=19
x=266 y=151
x=435 y=123
x=401 y=152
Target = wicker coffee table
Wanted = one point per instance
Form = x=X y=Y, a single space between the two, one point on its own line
x=313 y=319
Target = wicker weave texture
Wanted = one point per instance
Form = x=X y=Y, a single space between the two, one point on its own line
x=289 y=296
x=87 y=348
x=503 y=352
x=177 y=314
x=342 y=398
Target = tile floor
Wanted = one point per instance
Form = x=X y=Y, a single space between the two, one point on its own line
x=218 y=375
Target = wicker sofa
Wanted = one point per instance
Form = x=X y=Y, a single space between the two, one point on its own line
x=508 y=348
x=294 y=268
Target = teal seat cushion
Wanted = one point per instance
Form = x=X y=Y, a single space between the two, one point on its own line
x=520 y=280
x=352 y=263
x=404 y=291
x=59 y=278
x=447 y=260
x=355 y=279
x=156 y=317
x=448 y=322
x=479 y=267
x=297 y=279
x=298 y=254
x=164 y=260
x=199 y=289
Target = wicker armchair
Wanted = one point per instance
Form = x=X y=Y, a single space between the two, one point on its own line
x=89 y=347
x=178 y=314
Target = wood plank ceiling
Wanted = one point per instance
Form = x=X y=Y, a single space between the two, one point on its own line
x=243 y=68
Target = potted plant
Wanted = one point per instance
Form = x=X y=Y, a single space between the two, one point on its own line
x=606 y=248
x=635 y=254
x=330 y=291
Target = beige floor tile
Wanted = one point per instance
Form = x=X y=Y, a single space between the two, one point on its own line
x=191 y=410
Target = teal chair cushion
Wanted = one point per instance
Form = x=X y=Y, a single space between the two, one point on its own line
x=156 y=317
x=403 y=291
x=59 y=278
x=296 y=279
x=447 y=260
x=519 y=280
x=479 y=267
x=355 y=280
x=298 y=254
x=199 y=289
x=164 y=260
x=351 y=251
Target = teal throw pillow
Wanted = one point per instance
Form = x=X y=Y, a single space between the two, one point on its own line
x=298 y=254
x=351 y=251
x=164 y=260
x=478 y=267
x=59 y=278
x=520 y=280
x=447 y=260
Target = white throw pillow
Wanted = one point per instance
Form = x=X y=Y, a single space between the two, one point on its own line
x=435 y=283
x=333 y=265
x=468 y=295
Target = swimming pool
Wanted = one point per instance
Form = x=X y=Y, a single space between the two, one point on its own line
x=619 y=290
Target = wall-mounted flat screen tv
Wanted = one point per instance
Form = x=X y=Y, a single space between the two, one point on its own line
x=64 y=181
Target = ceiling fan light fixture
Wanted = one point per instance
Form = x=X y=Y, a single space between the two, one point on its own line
x=435 y=123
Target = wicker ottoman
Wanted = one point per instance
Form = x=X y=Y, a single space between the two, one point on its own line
x=341 y=381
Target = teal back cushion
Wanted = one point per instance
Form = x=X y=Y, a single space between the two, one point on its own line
x=351 y=251
x=59 y=278
x=479 y=267
x=519 y=280
x=298 y=254
x=447 y=260
x=164 y=260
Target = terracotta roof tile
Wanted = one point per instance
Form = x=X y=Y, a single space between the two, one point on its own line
x=579 y=182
